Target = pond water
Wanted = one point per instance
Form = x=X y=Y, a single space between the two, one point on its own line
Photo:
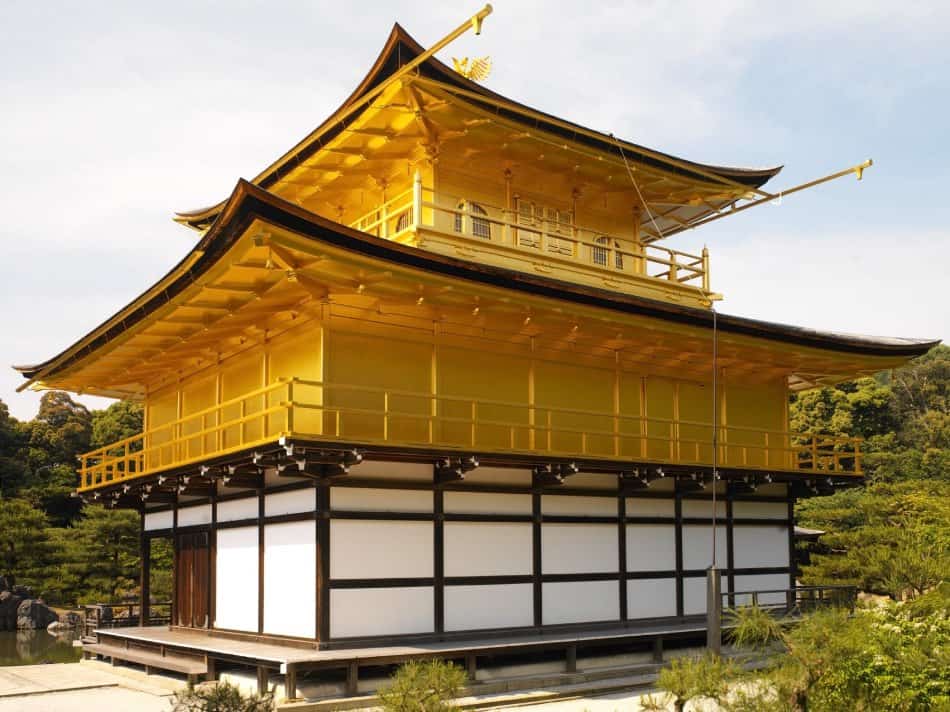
x=33 y=647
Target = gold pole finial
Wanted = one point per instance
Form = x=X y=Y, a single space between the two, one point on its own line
x=479 y=17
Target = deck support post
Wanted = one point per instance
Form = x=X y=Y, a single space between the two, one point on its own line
x=571 y=656
x=261 y=679
x=212 y=673
x=352 y=678
x=471 y=666
x=290 y=682
x=658 y=650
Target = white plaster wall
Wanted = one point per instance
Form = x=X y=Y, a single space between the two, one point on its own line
x=762 y=582
x=697 y=546
x=380 y=549
x=290 y=579
x=760 y=546
x=486 y=503
x=392 y=470
x=578 y=548
x=760 y=510
x=290 y=502
x=191 y=516
x=359 y=499
x=651 y=598
x=234 y=509
x=650 y=507
x=580 y=602
x=487 y=548
x=694 y=594
x=702 y=508
x=381 y=611
x=584 y=506
x=651 y=547
x=158 y=520
x=474 y=607
x=236 y=579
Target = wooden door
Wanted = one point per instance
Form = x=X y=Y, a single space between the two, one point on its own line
x=191 y=580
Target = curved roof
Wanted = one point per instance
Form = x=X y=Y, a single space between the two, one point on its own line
x=249 y=202
x=401 y=48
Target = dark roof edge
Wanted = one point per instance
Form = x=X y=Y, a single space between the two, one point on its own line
x=248 y=202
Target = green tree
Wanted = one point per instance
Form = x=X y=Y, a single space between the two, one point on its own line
x=119 y=421
x=97 y=557
x=890 y=538
x=13 y=472
x=24 y=541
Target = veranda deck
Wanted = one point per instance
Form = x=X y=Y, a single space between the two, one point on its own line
x=291 y=659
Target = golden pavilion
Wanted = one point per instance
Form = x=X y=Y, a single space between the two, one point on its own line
x=438 y=375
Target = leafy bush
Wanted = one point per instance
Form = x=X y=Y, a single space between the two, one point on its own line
x=427 y=686
x=221 y=697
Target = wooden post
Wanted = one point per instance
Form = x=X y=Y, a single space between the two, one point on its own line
x=571 y=658
x=261 y=679
x=352 y=678
x=290 y=682
x=471 y=666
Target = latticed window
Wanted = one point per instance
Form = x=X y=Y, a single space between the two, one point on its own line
x=481 y=226
x=599 y=254
x=405 y=221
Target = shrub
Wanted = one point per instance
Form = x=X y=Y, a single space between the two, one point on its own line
x=221 y=697
x=427 y=686
x=753 y=627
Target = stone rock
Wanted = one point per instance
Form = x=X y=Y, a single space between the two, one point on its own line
x=4 y=584
x=72 y=619
x=9 y=604
x=23 y=591
x=34 y=614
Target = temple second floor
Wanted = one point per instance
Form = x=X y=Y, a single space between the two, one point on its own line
x=283 y=325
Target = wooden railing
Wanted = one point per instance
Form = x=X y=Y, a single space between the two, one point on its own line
x=538 y=237
x=361 y=414
x=118 y=615
x=800 y=599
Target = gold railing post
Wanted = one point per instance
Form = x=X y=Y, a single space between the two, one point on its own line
x=705 y=269
x=550 y=434
x=857 y=457
x=386 y=415
x=289 y=422
x=814 y=452
x=417 y=200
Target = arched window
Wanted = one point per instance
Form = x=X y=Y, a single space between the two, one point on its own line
x=480 y=227
x=599 y=254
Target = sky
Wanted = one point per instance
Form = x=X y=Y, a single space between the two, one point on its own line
x=114 y=115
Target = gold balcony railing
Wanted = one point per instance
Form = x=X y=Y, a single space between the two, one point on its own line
x=365 y=415
x=533 y=237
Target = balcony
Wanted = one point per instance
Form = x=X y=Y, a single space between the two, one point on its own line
x=358 y=415
x=537 y=241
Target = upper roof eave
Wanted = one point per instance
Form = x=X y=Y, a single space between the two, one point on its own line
x=249 y=202
x=391 y=58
